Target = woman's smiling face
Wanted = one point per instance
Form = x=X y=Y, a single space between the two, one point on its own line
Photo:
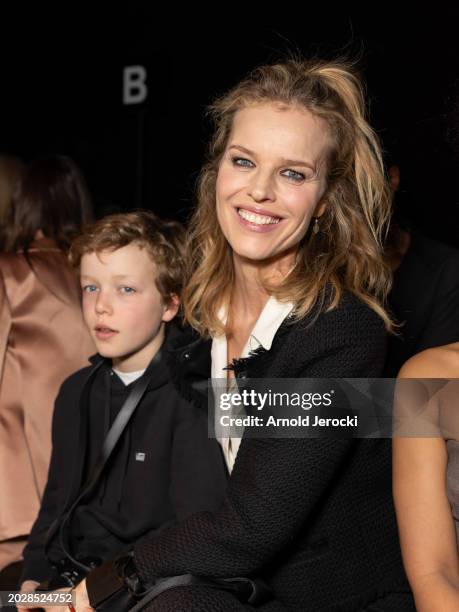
x=271 y=179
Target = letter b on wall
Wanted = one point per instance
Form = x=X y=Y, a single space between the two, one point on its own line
x=134 y=85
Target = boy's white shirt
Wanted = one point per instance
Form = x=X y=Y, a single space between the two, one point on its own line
x=128 y=377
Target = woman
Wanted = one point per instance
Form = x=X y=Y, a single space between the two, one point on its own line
x=11 y=172
x=42 y=335
x=287 y=280
x=426 y=480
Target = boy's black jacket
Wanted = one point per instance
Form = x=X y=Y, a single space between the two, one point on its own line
x=164 y=468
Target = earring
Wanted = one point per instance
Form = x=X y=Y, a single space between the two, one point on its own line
x=316 y=228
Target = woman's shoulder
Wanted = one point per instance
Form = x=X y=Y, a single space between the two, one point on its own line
x=349 y=317
x=352 y=306
x=348 y=340
x=438 y=362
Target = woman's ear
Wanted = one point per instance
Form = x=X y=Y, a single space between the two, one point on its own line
x=320 y=208
x=171 y=308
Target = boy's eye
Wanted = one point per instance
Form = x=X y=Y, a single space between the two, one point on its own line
x=294 y=176
x=241 y=162
x=89 y=288
x=127 y=290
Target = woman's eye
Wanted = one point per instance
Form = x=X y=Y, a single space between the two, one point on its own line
x=241 y=162
x=127 y=290
x=89 y=288
x=292 y=175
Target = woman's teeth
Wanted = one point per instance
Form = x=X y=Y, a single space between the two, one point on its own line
x=258 y=219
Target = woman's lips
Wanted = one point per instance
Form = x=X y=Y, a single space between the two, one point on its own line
x=104 y=333
x=257 y=222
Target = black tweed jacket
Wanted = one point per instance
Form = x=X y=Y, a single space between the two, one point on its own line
x=313 y=517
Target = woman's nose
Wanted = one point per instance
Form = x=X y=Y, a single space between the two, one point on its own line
x=261 y=187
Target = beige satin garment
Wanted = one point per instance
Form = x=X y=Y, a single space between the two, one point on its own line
x=43 y=340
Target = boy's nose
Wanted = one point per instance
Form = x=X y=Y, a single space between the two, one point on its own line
x=103 y=304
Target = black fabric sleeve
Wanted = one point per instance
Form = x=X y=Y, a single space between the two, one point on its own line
x=36 y=565
x=198 y=473
x=276 y=484
x=271 y=495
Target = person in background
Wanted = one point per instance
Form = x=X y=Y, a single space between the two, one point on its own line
x=424 y=298
x=43 y=338
x=11 y=171
x=426 y=469
x=426 y=478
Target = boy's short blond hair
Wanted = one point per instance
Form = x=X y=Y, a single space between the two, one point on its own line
x=164 y=241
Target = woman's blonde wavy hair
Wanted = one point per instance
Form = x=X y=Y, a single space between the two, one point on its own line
x=347 y=252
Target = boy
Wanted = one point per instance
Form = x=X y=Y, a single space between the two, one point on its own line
x=163 y=466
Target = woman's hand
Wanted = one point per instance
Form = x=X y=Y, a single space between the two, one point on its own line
x=29 y=586
x=81 y=598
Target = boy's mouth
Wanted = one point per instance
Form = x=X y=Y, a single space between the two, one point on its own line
x=104 y=333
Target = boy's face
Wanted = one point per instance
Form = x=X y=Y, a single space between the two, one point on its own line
x=122 y=307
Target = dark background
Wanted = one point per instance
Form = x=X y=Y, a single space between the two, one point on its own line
x=61 y=76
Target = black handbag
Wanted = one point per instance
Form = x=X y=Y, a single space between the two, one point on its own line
x=250 y=591
x=116 y=586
